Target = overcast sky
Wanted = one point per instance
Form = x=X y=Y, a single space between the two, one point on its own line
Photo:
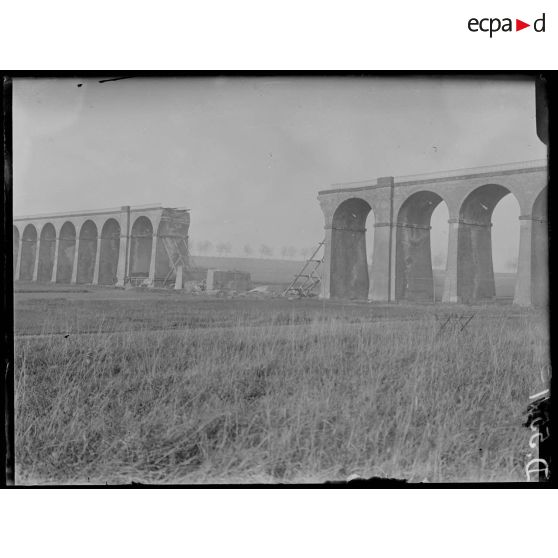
x=248 y=155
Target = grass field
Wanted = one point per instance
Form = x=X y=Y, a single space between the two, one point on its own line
x=168 y=388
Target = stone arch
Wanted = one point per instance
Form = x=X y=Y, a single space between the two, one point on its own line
x=16 y=248
x=413 y=259
x=110 y=248
x=539 y=250
x=475 y=270
x=87 y=251
x=28 y=253
x=47 y=249
x=66 y=252
x=141 y=243
x=349 y=267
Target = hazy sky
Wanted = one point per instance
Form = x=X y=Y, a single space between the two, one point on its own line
x=248 y=155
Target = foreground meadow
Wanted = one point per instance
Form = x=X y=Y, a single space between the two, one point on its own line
x=302 y=397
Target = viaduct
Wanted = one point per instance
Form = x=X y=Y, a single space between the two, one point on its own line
x=401 y=262
x=137 y=245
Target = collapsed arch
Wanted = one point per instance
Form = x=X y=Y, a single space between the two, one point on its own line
x=163 y=267
x=15 y=239
x=475 y=269
x=87 y=252
x=28 y=253
x=349 y=268
x=539 y=250
x=413 y=258
x=66 y=253
x=141 y=243
x=172 y=245
x=109 y=252
x=47 y=249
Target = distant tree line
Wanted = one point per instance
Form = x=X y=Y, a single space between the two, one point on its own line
x=207 y=248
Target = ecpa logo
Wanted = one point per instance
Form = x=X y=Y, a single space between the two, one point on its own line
x=494 y=24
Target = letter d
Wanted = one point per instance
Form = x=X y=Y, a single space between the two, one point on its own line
x=535 y=25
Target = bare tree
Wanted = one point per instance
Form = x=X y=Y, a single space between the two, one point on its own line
x=204 y=247
x=438 y=261
x=223 y=248
x=305 y=253
x=291 y=252
x=266 y=251
x=227 y=248
x=248 y=249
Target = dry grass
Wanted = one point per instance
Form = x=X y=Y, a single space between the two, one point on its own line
x=290 y=403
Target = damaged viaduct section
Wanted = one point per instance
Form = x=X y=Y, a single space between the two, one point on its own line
x=401 y=260
x=136 y=245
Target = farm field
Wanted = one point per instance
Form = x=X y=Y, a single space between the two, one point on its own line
x=114 y=386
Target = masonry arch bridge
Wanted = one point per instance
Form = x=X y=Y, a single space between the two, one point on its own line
x=401 y=266
x=108 y=247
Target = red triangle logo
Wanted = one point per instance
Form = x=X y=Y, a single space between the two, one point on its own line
x=519 y=25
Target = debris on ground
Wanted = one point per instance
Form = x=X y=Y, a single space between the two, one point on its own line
x=264 y=291
x=193 y=286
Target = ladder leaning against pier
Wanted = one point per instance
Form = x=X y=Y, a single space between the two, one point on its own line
x=307 y=278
